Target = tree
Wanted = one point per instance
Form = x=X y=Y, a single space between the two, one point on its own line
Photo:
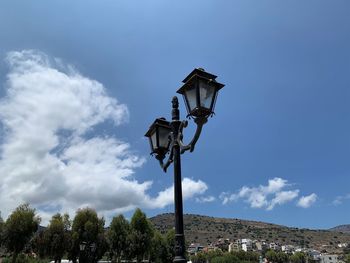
x=228 y=258
x=19 y=228
x=170 y=243
x=159 y=252
x=298 y=257
x=87 y=229
x=347 y=258
x=1 y=230
x=117 y=237
x=40 y=244
x=271 y=256
x=199 y=258
x=141 y=235
x=246 y=256
x=57 y=236
x=282 y=257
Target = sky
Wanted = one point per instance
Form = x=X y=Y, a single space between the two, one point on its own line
x=81 y=81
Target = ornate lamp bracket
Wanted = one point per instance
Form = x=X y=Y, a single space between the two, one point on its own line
x=200 y=121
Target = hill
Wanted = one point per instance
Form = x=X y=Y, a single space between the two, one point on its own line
x=206 y=230
x=341 y=228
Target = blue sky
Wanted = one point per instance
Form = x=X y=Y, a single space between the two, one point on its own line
x=281 y=130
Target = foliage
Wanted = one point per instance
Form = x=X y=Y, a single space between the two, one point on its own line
x=227 y=258
x=1 y=230
x=217 y=256
x=57 y=236
x=117 y=237
x=214 y=253
x=39 y=244
x=199 y=258
x=170 y=241
x=87 y=228
x=276 y=257
x=298 y=257
x=141 y=234
x=347 y=258
x=159 y=251
x=19 y=228
x=22 y=258
x=246 y=256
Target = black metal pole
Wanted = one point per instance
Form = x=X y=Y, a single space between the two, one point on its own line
x=179 y=225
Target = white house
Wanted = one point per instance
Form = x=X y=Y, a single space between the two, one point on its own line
x=247 y=244
x=235 y=246
x=327 y=258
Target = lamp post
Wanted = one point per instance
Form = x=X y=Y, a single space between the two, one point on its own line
x=199 y=91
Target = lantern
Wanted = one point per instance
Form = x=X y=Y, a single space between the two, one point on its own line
x=158 y=135
x=200 y=90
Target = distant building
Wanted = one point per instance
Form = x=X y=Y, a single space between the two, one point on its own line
x=247 y=244
x=274 y=246
x=235 y=246
x=315 y=255
x=327 y=258
x=288 y=249
x=260 y=245
x=194 y=248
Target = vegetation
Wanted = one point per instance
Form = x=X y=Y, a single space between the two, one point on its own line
x=118 y=238
x=19 y=228
x=85 y=239
x=228 y=257
x=206 y=230
x=141 y=235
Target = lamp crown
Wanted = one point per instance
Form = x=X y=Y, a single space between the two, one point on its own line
x=201 y=73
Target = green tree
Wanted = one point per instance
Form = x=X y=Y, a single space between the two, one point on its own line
x=57 y=236
x=159 y=251
x=228 y=258
x=19 y=228
x=298 y=257
x=347 y=258
x=40 y=244
x=87 y=229
x=170 y=243
x=117 y=237
x=246 y=256
x=282 y=257
x=214 y=254
x=199 y=258
x=141 y=235
x=1 y=230
x=271 y=256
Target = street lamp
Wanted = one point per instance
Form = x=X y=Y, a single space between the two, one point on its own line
x=199 y=90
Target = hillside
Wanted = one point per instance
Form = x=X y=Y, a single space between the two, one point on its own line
x=341 y=228
x=205 y=230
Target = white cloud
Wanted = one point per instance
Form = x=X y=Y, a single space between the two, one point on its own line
x=263 y=196
x=205 y=199
x=282 y=198
x=48 y=160
x=307 y=201
x=340 y=199
x=190 y=188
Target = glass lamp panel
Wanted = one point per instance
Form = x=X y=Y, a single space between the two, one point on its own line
x=154 y=140
x=206 y=94
x=190 y=94
x=163 y=137
x=82 y=247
